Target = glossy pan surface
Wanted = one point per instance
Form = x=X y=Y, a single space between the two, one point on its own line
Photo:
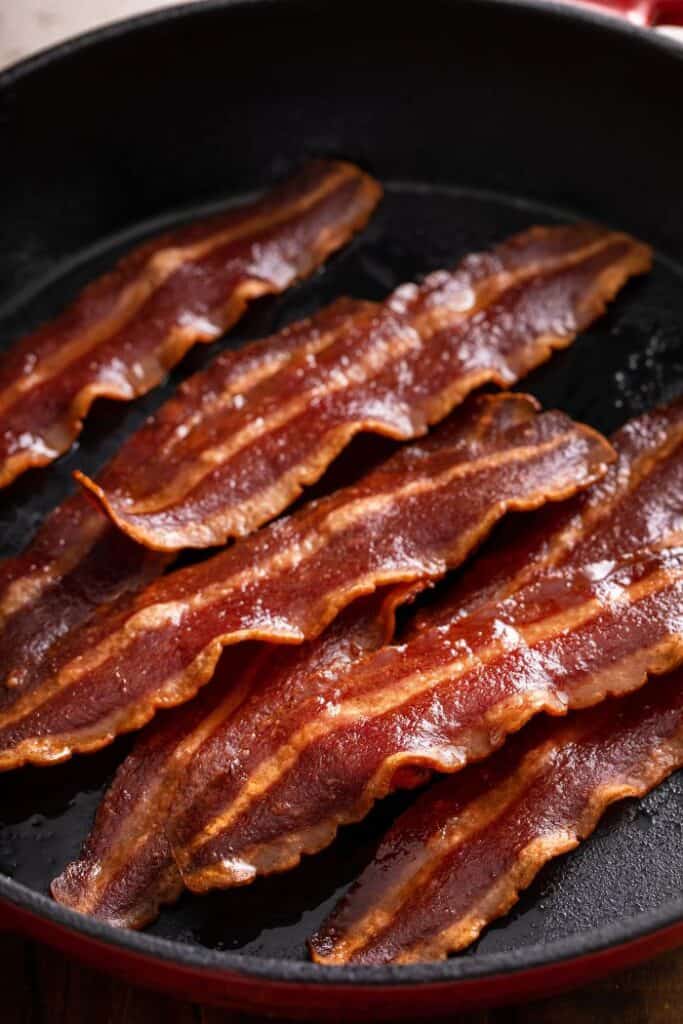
x=480 y=118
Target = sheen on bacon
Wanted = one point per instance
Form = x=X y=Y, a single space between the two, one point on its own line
x=447 y=698
x=460 y=856
x=126 y=870
x=573 y=631
x=473 y=842
x=637 y=504
x=417 y=514
x=126 y=330
x=79 y=561
x=393 y=369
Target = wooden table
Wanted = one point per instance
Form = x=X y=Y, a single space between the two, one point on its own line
x=41 y=987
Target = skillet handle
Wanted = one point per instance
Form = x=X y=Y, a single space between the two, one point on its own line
x=648 y=13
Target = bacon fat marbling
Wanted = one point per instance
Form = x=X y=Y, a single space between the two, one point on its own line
x=126 y=330
x=223 y=468
x=569 y=634
x=460 y=856
x=126 y=870
x=78 y=561
x=409 y=520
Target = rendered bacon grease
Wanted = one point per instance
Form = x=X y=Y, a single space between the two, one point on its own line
x=126 y=330
x=460 y=856
x=126 y=870
x=407 y=521
x=392 y=369
x=577 y=633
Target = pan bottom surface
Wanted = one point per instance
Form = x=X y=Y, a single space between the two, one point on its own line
x=629 y=361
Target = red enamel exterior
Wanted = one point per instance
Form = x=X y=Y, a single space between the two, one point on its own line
x=327 y=1000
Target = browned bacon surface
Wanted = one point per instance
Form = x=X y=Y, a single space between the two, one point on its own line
x=449 y=697
x=126 y=870
x=638 y=504
x=473 y=842
x=126 y=330
x=463 y=682
x=79 y=561
x=419 y=513
x=392 y=369
x=458 y=858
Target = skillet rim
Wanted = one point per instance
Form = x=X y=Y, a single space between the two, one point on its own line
x=478 y=967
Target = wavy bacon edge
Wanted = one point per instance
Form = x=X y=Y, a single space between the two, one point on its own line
x=126 y=871
x=621 y=503
x=638 y=473
x=231 y=861
x=406 y=330
x=146 y=268
x=462 y=854
x=160 y=606
x=78 y=560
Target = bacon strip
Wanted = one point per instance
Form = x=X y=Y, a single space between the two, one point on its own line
x=126 y=330
x=458 y=858
x=449 y=697
x=636 y=505
x=79 y=561
x=392 y=369
x=126 y=870
x=424 y=706
x=473 y=842
x=407 y=521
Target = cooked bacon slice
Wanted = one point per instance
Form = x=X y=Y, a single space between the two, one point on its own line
x=637 y=504
x=442 y=708
x=409 y=520
x=460 y=856
x=79 y=561
x=449 y=697
x=126 y=870
x=126 y=330
x=548 y=790
x=391 y=369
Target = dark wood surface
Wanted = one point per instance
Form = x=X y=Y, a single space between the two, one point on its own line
x=42 y=987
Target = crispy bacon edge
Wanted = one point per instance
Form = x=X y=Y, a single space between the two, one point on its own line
x=126 y=330
x=78 y=561
x=126 y=871
x=473 y=842
x=288 y=581
x=460 y=856
x=393 y=369
x=453 y=693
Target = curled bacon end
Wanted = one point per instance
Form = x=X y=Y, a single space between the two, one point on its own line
x=460 y=856
x=408 y=521
x=126 y=330
x=392 y=369
x=126 y=870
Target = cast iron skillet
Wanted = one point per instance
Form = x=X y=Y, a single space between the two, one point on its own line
x=480 y=118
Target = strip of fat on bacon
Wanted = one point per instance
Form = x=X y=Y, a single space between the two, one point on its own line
x=126 y=869
x=452 y=694
x=394 y=368
x=125 y=331
x=460 y=856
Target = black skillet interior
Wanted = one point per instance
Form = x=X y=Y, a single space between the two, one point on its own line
x=481 y=119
